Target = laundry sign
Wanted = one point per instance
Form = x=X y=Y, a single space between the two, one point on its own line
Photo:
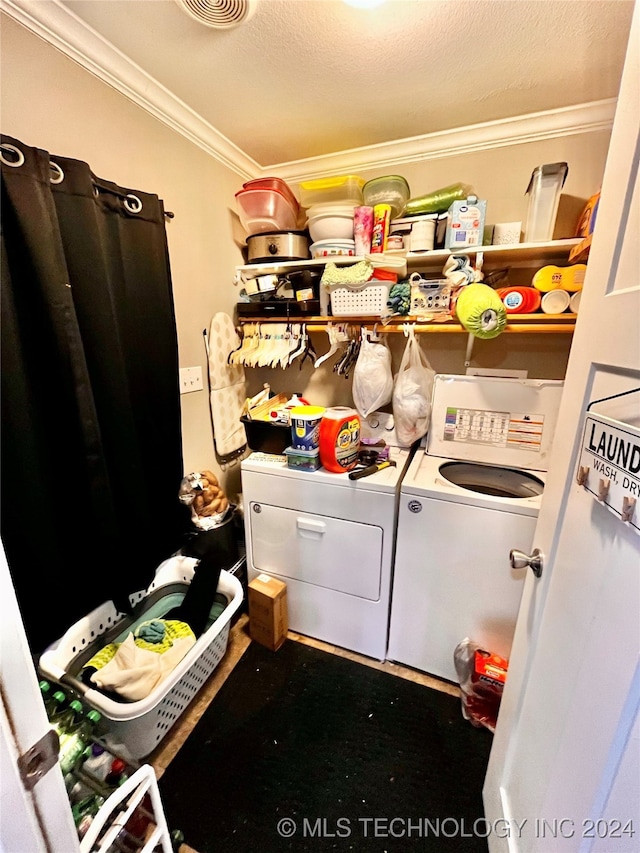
x=609 y=466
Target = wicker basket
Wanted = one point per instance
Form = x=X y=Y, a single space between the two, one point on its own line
x=360 y=300
x=141 y=725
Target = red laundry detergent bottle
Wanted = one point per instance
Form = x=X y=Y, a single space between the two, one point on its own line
x=339 y=439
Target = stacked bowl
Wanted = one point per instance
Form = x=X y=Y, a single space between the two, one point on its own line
x=331 y=229
x=330 y=204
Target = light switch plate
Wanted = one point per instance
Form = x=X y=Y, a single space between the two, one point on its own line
x=190 y=379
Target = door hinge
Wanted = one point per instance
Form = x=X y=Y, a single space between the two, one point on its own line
x=39 y=759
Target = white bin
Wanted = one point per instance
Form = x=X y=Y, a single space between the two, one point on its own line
x=141 y=725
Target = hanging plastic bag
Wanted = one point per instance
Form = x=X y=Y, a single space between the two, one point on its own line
x=372 y=376
x=412 y=393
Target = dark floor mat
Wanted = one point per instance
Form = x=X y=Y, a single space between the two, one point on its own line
x=307 y=751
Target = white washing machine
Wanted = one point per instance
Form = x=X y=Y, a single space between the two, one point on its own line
x=331 y=540
x=471 y=497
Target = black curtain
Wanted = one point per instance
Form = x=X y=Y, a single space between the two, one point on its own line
x=91 y=438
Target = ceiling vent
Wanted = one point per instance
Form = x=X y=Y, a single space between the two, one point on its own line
x=219 y=14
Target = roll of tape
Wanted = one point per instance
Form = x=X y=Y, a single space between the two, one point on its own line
x=481 y=311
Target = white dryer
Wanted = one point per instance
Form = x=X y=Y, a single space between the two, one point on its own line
x=465 y=502
x=331 y=540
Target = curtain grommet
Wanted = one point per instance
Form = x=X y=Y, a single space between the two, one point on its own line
x=132 y=203
x=57 y=175
x=6 y=147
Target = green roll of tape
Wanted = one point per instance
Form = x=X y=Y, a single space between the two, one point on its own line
x=481 y=311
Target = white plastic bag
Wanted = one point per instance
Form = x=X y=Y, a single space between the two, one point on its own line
x=372 y=376
x=412 y=393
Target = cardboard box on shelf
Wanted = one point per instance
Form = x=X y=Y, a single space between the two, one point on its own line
x=268 y=616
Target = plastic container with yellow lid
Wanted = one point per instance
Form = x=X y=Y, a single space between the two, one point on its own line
x=305 y=427
x=344 y=188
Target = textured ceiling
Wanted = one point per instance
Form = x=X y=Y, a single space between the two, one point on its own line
x=304 y=78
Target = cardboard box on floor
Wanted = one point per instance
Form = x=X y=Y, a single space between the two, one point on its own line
x=268 y=617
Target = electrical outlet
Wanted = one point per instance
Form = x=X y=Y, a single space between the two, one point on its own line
x=190 y=379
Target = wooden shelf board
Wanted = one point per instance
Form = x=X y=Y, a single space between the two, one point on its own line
x=520 y=323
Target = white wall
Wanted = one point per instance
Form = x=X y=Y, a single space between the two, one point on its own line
x=50 y=102
x=501 y=175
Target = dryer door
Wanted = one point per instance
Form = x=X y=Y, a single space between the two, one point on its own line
x=340 y=555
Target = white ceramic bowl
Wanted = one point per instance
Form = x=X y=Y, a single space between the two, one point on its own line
x=555 y=301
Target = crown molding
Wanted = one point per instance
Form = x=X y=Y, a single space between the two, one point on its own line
x=64 y=30
x=549 y=124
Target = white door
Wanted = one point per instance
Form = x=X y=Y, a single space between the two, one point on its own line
x=564 y=771
x=39 y=820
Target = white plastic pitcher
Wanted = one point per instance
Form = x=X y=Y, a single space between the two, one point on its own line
x=544 y=196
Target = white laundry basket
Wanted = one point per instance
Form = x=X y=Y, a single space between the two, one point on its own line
x=367 y=299
x=141 y=725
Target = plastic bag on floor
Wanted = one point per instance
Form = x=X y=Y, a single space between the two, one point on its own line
x=412 y=393
x=482 y=677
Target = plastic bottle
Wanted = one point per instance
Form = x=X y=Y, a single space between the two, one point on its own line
x=142 y=816
x=53 y=701
x=380 y=232
x=67 y=718
x=73 y=744
x=98 y=761
x=339 y=439
x=438 y=201
x=84 y=812
x=116 y=775
x=95 y=766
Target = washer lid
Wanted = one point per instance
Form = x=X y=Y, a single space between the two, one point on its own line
x=498 y=421
x=491 y=480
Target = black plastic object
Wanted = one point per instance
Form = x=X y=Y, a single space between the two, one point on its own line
x=216 y=549
x=267 y=437
x=278 y=308
x=306 y=284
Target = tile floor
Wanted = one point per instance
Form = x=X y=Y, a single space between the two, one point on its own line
x=238 y=641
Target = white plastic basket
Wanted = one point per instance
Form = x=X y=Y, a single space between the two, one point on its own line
x=141 y=725
x=368 y=299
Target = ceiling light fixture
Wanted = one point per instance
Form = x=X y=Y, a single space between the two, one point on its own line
x=219 y=14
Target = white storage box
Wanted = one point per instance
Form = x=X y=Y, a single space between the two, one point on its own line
x=141 y=725
x=368 y=299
